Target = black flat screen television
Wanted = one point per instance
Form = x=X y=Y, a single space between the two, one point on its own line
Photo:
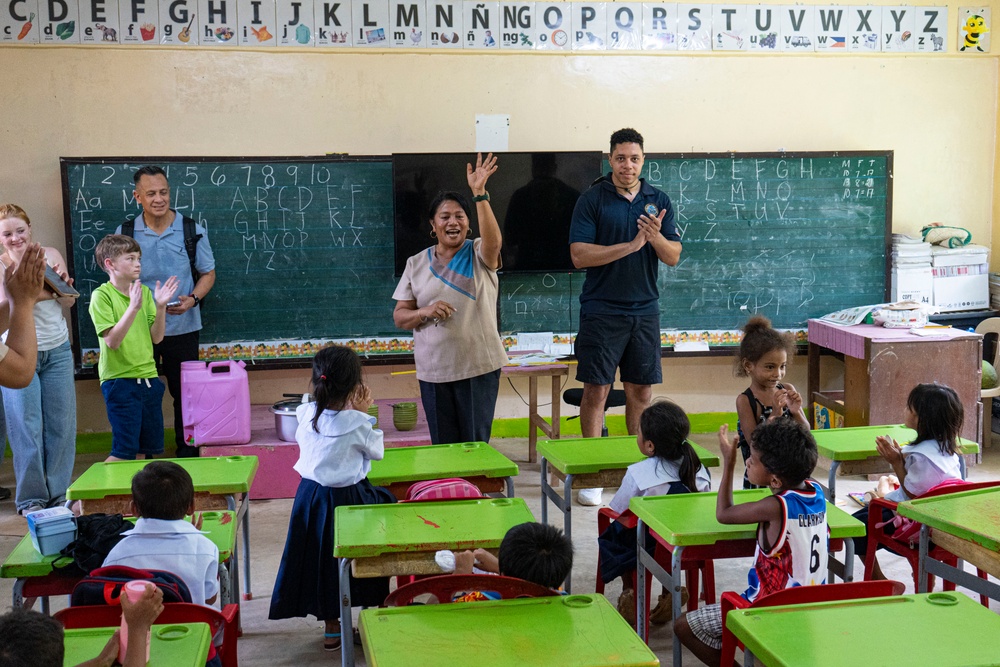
x=532 y=195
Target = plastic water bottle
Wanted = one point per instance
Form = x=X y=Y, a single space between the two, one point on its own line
x=134 y=590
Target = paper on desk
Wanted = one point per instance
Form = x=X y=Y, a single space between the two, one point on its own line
x=930 y=332
x=533 y=359
x=541 y=340
x=691 y=346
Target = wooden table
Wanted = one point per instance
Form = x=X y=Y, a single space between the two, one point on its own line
x=940 y=629
x=968 y=525
x=855 y=447
x=586 y=463
x=390 y=540
x=174 y=645
x=535 y=420
x=685 y=525
x=476 y=462
x=36 y=575
x=107 y=487
x=882 y=365
x=559 y=630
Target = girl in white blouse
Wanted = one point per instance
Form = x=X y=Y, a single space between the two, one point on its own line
x=337 y=443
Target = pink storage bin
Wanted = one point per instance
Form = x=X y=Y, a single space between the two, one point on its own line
x=215 y=398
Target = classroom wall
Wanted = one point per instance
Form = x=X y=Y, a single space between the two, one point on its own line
x=938 y=113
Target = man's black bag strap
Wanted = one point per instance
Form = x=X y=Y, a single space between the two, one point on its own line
x=191 y=238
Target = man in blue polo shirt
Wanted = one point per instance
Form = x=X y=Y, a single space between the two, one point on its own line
x=622 y=229
x=160 y=233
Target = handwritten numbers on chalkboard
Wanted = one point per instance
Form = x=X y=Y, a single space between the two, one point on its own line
x=303 y=247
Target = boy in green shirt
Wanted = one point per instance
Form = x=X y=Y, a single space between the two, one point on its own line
x=129 y=319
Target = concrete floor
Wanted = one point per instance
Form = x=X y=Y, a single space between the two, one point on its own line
x=299 y=641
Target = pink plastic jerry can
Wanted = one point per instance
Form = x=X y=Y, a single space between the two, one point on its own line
x=215 y=399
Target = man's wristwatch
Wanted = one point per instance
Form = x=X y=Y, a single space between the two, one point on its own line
x=194 y=296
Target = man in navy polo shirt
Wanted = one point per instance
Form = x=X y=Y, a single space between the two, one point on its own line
x=160 y=233
x=622 y=229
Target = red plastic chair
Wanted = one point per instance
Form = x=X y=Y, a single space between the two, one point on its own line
x=911 y=551
x=800 y=595
x=605 y=516
x=106 y=616
x=444 y=587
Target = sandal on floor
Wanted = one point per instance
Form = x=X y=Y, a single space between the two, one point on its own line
x=331 y=641
x=663 y=612
x=626 y=606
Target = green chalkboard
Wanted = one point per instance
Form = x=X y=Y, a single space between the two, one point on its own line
x=788 y=235
x=303 y=246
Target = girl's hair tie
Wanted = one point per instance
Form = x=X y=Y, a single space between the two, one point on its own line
x=322 y=377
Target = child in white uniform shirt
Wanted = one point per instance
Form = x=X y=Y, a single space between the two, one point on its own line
x=337 y=443
x=162 y=494
x=935 y=412
x=671 y=467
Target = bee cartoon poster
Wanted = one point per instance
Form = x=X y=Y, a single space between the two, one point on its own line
x=974 y=29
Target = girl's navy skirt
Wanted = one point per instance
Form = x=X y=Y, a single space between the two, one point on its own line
x=308 y=577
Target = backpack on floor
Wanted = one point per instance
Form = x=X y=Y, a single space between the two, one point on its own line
x=104 y=585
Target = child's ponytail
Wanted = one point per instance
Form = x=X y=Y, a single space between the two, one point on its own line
x=688 y=469
x=336 y=373
x=667 y=427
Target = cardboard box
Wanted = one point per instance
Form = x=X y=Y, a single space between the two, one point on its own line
x=913 y=284
x=962 y=292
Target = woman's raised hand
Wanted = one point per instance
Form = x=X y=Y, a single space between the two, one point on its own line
x=478 y=176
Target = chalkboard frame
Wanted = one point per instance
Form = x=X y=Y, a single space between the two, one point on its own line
x=82 y=372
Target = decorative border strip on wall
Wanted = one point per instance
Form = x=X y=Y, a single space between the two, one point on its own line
x=494 y=26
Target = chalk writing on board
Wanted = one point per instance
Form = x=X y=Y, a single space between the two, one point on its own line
x=303 y=247
x=791 y=236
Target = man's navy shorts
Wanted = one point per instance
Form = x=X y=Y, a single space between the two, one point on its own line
x=608 y=342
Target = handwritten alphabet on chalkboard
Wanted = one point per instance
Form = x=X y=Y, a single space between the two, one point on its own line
x=791 y=236
x=303 y=247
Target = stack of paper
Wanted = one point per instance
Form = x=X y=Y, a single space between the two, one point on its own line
x=910 y=252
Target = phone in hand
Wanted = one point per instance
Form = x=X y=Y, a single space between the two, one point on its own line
x=173 y=304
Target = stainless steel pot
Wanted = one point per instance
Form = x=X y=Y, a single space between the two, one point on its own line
x=285 y=422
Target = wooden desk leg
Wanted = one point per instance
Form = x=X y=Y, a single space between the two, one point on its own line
x=532 y=413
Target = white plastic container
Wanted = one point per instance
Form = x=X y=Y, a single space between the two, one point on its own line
x=51 y=529
x=134 y=590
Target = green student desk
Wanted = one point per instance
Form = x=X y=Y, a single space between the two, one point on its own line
x=940 y=629
x=174 y=645
x=558 y=630
x=36 y=575
x=586 y=463
x=685 y=525
x=968 y=525
x=476 y=462
x=107 y=487
x=856 y=444
x=390 y=540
